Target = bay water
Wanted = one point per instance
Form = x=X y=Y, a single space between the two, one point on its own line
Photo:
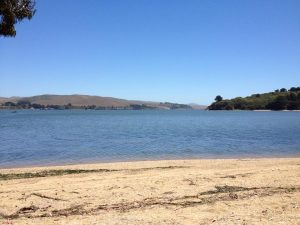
x=33 y=137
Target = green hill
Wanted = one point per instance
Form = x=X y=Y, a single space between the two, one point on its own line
x=282 y=99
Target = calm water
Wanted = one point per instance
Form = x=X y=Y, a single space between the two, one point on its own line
x=59 y=137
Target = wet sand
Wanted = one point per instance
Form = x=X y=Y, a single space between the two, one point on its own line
x=219 y=191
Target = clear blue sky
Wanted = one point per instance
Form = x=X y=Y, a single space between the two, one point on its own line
x=162 y=50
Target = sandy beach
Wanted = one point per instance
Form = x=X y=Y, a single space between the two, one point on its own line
x=219 y=191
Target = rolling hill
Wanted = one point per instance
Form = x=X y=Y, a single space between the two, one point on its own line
x=95 y=101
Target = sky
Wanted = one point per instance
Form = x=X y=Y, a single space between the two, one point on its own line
x=185 y=51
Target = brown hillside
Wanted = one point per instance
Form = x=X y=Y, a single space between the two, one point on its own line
x=77 y=100
x=87 y=100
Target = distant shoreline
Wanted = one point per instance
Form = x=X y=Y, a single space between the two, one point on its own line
x=155 y=109
x=75 y=101
x=107 y=109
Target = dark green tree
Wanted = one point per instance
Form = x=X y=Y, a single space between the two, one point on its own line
x=10 y=104
x=13 y=11
x=293 y=106
x=280 y=103
x=228 y=107
x=24 y=104
x=294 y=89
x=218 y=98
x=292 y=96
x=37 y=106
x=283 y=90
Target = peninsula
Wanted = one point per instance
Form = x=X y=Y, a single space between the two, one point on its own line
x=280 y=99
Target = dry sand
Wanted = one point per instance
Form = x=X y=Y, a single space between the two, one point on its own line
x=225 y=191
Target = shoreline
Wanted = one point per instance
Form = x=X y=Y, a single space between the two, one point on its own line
x=156 y=109
x=139 y=160
x=202 y=191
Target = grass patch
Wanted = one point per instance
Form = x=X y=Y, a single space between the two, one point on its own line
x=51 y=173
x=227 y=189
x=48 y=173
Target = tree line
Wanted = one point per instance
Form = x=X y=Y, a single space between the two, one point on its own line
x=25 y=104
x=279 y=99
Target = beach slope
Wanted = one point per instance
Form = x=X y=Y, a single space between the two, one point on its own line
x=221 y=191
